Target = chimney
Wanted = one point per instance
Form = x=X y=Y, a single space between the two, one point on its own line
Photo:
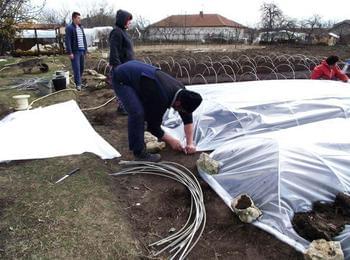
x=201 y=14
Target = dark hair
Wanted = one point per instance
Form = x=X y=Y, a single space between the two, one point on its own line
x=75 y=14
x=331 y=60
x=189 y=100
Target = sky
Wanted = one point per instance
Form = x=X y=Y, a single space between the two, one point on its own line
x=245 y=12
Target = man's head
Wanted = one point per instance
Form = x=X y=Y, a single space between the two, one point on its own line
x=332 y=60
x=187 y=101
x=76 y=18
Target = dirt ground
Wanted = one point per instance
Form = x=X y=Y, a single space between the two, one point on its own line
x=164 y=204
x=325 y=221
x=150 y=206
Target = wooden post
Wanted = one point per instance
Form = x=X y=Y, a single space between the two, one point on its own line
x=57 y=40
x=36 y=41
x=60 y=44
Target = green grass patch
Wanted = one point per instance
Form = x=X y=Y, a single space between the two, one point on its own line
x=75 y=218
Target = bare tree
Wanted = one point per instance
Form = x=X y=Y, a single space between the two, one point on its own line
x=252 y=34
x=13 y=12
x=98 y=14
x=55 y=16
x=139 y=30
x=183 y=28
x=100 y=17
x=170 y=29
x=290 y=27
x=271 y=17
x=328 y=24
x=311 y=25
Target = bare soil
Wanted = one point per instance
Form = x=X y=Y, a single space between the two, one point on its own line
x=4 y=111
x=243 y=202
x=326 y=220
x=154 y=205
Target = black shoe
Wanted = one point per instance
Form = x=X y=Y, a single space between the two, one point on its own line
x=148 y=157
x=121 y=111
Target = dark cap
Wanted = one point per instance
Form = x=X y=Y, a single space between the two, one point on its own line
x=331 y=60
x=189 y=100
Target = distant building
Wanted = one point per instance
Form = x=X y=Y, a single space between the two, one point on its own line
x=343 y=30
x=297 y=35
x=197 y=27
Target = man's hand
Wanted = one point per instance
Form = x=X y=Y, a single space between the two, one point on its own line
x=71 y=56
x=190 y=149
x=175 y=144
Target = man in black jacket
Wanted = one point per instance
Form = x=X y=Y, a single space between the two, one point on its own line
x=146 y=93
x=76 y=47
x=121 y=48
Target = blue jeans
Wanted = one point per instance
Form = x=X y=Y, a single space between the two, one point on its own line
x=136 y=115
x=119 y=102
x=78 y=66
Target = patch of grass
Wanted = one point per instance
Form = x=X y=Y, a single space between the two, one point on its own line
x=78 y=218
x=75 y=218
x=8 y=60
x=14 y=76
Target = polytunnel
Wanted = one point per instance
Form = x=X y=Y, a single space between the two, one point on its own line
x=230 y=110
x=285 y=172
x=285 y=143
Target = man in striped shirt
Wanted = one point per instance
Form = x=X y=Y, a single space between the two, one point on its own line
x=76 y=47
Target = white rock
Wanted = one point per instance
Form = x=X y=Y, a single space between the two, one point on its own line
x=207 y=164
x=249 y=212
x=324 y=250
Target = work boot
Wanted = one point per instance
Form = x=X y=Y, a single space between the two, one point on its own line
x=148 y=157
x=122 y=111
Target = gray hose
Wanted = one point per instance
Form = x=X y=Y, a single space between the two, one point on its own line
x=183 y=241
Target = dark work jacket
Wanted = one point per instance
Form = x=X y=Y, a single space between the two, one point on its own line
x=121 y=48
x=155 y=89
x=71 y=39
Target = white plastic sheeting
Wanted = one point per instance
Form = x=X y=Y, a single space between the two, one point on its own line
x=56 y=130
x=234 y=109
x=285 y=143
x=93 y=35
x=46 y=34
x=285 y=172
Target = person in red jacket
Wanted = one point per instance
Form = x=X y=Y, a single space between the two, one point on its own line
x=328 y=69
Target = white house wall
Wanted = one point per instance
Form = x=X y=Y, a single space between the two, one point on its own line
x=194 y=33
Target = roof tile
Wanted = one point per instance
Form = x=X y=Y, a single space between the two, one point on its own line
x=197 y=20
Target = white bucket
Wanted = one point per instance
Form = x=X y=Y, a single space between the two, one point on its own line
x=59 y=72
x=67 y=77
x=21 y=101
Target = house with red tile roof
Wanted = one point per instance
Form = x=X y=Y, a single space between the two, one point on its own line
x=196 y=27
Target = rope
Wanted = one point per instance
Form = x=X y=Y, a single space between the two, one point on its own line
x=51 y=94
x=98 y=107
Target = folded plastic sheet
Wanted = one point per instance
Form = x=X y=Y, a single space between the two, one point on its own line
x=285 y=172
x=231 y=110
x=56 y=130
